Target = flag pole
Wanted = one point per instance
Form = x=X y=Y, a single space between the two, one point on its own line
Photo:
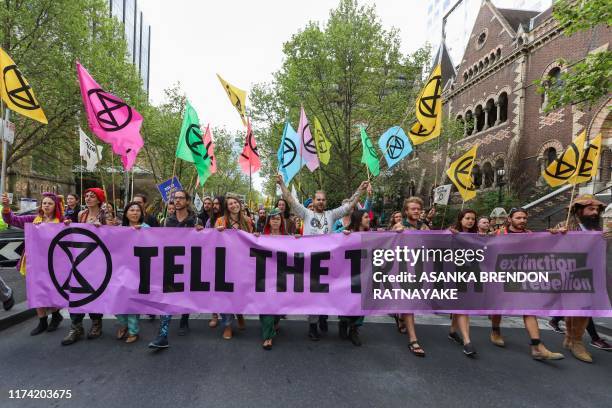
x=113 y=181
x=81 y=194
x=444 y=216
x=569 y=210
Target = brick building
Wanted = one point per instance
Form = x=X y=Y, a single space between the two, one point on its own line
x=492 y=92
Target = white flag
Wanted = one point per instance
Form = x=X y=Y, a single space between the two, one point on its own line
x=197 y=201
x=8 y=133
x=89 y=151
x=442 y=194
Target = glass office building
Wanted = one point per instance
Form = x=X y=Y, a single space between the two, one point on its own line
x=137 y=35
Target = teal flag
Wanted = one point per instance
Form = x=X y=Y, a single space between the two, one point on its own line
x=395 y=145
x=289 y=161
x=369 y=156
x=190 y=145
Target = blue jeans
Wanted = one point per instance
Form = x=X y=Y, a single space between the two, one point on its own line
x=227 y=319
x=130 y=321
x=164 y=323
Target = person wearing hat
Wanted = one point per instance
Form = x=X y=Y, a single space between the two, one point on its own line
x=93 y=214
x=51 y=210
x=585 y=215
x=269 y=323
x=318 y=221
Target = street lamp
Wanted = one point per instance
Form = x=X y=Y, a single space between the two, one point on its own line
x=500 y=183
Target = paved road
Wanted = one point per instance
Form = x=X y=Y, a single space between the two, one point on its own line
x=202 y=370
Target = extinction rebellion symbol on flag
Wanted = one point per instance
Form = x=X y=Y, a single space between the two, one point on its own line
x=22 y=96
x=106 y=117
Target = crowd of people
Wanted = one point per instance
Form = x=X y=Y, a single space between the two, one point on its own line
x=290 y=217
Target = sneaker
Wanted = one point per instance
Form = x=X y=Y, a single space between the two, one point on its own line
x=469 y=350
x=323 y=324
x=542 y=353
x=161 y=342
x=456 y=338
x=8 y=304
x=354 y=336
x=553 y=324
x=56 y=319
x=497 y=339
x=601 y=344
x=313 y=334
x=343 y=330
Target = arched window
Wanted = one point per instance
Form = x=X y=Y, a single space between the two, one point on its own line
x=476 y=176
x=498 y=53
x=480 y=118
x=465 y=76
x=550 y=155
x=470 y=72
x=503 y=107
x=491 y=110
x=488 y=174
x=469 y=120
x=551 y=80
x=480 y=66
x=486 y=61
x=492 y=57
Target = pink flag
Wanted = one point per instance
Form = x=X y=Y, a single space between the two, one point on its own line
x=111 y=119
x=210 y=149
x=249 y=158
x=308 y=147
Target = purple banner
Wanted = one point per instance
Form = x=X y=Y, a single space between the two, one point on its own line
x=175 y=270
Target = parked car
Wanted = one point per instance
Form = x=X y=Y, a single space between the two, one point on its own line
x=11 y=243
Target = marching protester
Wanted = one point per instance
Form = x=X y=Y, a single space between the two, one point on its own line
x=395 y=219
x=466 y=222
x=484 y=225
x=216 y=211
x=348 y=327
x=207 y=205
x=585 y=215
x=133 y=216
x=516 y=223
x=111 y=217
x=170 y=210
x=233 y=218
x=261 y=220
x=71 y=211
x=289 y=221
x=183 y=217
x=319 y=221
x=413 y=206
x=92 y=214
x=344 y=222
x=149 y=219
x=270 y=323
x=50 y=211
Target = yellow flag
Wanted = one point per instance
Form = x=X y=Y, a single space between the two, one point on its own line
x=428 y=109
x=16 y=92
x=323 y=145
x=589 y=162
x=563 y=169
x=460 y=173
x=237 y=97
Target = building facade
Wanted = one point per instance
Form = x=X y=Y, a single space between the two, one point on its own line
x=493 y=94
x=137 y=35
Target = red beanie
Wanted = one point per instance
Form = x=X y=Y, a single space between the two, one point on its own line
x=98 y=192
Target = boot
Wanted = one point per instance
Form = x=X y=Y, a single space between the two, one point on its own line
x=354 y=336
x=56 y=319
x=497 y=339
x=74 y=335
x=577 y=348
x=343 y=330
x=96 y=329
x=42 y=326
x=313 y=333
x=567 y=340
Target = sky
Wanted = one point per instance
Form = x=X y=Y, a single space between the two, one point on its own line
x=242 y=40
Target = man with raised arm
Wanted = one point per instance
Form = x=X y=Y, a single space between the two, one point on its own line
x=319 y=221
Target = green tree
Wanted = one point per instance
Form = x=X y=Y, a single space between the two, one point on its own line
x=347 y=73
x=586 y=81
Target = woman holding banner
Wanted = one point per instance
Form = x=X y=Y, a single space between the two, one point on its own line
x=269 y=323
x=133 y=216
x=233 y=217
x=216 y=211
x=288 y=220
x=51 y=210
x=466 y=222
x=348 y=326
x=92 y=214
x=72 y=207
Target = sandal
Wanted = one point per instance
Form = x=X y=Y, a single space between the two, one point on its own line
x=416 y=349
x=267 y=344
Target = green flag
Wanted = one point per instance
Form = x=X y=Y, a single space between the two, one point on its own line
x=190 y=145
x=369 y=156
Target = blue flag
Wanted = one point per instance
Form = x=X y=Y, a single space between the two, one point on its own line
x=394 y=145
x=289 y=160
